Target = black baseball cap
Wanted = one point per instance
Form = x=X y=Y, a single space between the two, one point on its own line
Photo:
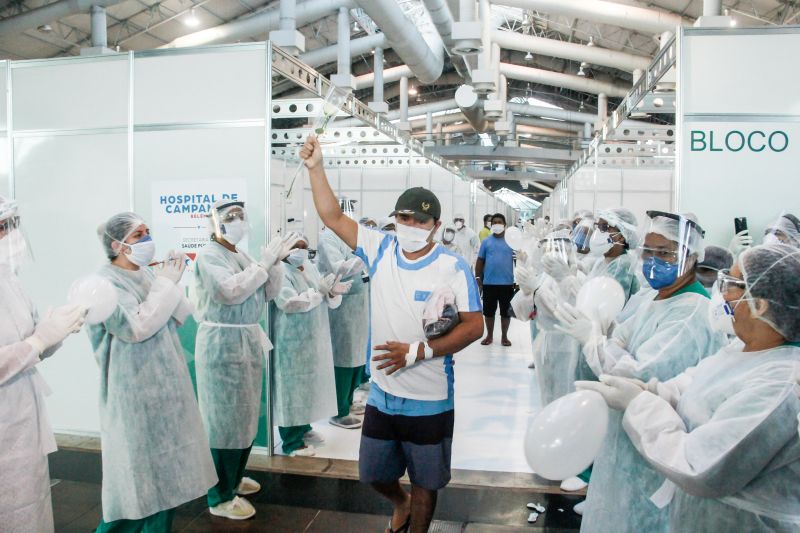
x=418 y=202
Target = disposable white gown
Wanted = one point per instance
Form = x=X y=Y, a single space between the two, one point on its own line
x=231 y=292
x=155 y=451
x=555 y=354
x=468 y=244
x=304 y=388
x=664 y=338
x=731 y=443
x=349 y=322
x=25 y=434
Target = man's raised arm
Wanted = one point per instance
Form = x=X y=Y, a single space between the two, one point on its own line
x=324 y=200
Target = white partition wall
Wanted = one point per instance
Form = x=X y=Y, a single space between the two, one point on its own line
x=738 y=130
x=96 y=136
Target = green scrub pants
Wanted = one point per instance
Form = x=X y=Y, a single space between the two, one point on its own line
x=230 y=466
x=292 y=437
x=161 y=522
x=347 y=381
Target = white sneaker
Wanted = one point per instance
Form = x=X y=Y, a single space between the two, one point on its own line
x=248 y=486
x=236 y=509
x=308 y=451
x=313 y=437
x=358 y=408
x=571 y=484
x=579 y=508
x=346 y=422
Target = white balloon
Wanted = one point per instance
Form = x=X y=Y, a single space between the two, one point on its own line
x=565 y=437
x=95 y=293
x=601 y=299
x=514 y=238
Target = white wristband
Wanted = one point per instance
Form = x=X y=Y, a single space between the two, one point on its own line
x=411 y=356
x=428 y=352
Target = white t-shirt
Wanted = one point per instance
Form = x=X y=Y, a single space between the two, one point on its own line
x=399 y=289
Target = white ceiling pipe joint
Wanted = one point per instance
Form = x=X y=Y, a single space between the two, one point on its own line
x=343 y=41
x=34 y=18
x=467 y=31
x=99 y=32
x=288 y=17
x=472 y=107
x=405 y=39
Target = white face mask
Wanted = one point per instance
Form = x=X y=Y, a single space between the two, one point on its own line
x=412 y=239
x=297 y=257
x=142 y=252
x=720 y=314
x=448 y=237
x=600 y=243
x=497 y=229
x=459 y=224
x=771 y=238
x=234 y=231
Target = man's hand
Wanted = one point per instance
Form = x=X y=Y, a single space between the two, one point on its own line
x=395 y=358
x=311 y=152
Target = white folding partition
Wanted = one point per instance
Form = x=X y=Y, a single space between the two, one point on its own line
x=96 y=136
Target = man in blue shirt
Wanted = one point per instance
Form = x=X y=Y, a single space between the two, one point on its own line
x=494 y=271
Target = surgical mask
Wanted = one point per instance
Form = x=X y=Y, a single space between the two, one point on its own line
x=142 y=252
x=497 y=229
x=234 y=231
x=659 y=273
x=13 y=247
x=720 y=314
x=412 y=239
x=600 y=243
x=448 y=237
x=771 y=238
x=297 y=257
x=459 y=224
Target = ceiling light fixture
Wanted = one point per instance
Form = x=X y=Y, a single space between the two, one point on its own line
x=581 y=72
x=529 y=57
x=412 y=91
x=191 y=19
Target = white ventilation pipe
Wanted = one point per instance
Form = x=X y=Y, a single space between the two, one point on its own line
x=557 y=79
x=403 y=103
x=99 y=31
x=611 y=13
x=405 y=39
x=544 y=123
x=34 y=18
x=521 y=129
x=712 y=8
x=390 y=75
x=438 y=120
x=429 y=126
x=442 y=19
x=472 y=107
x=512 y=40
x=602 y=111
x=414 y=111
x=547 y=112
x=328 y=54
x=259 y=23
x=343 y=59
x=288 y=17
x=377 y=86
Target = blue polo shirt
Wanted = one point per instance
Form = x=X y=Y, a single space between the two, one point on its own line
x=498 y=257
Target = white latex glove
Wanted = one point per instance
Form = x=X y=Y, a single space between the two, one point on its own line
x=173 y=267
x=328 y=282
x=349 y=268
x=546 y=301
x=522 y=257
x=618 y=392
x=270 y=254
x=740 y=242
x=527 y=280
x=575 y=323
x=287 y=243
x=555 y=267
x=343 y=287
x=56 y=326
x=315 y=297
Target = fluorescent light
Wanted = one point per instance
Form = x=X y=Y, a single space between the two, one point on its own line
x=191 y=19
x=412 y=91
x=529 y=57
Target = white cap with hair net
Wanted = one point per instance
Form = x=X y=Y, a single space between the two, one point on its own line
x=683 y=230
x=787 y=227
x=625 y=221
x=8 y=207
x=772 y=272
x=117 y=229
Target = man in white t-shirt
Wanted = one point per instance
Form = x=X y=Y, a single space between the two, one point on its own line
x=408 y=424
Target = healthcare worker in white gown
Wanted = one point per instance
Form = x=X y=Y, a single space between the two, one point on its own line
x=25 y=340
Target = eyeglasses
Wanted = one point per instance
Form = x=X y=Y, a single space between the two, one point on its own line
x=9 y=224
x=727 y=282
x=230 y=216
x=663 y=254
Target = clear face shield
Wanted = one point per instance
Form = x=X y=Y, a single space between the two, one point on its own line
x=672 y=246
x=784 y=230
x=582 y=234
x=448 y=235
x=230 y=222
x=560 y=248
x=15 y=250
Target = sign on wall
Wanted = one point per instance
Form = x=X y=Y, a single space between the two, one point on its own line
x=180 y=211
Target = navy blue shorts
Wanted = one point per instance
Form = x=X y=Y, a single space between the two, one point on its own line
x=392 y=444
